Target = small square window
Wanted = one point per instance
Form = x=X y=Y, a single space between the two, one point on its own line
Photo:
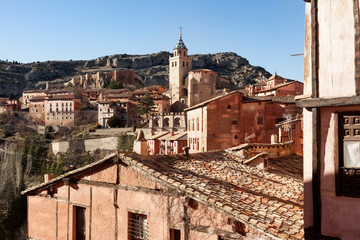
x=235 y=122
x=228 y=106
x=137 y=226
x=260 y=120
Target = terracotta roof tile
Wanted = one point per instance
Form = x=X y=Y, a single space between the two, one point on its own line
x=268 y=201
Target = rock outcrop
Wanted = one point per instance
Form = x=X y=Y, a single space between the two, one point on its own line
x=152 y=68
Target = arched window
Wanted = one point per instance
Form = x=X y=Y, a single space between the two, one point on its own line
x=177 y=122
x=175 y=64
x=175 y=54
x=166 y=122
x=155 y=122
x=184 y=54
x=172 y=64
x=183 y=64
x=184 y=92
x=179 y=53
x=187 y=63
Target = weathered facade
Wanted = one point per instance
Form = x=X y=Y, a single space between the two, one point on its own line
x=132 y=197
x=102 y=78
x=57 y=109
x=276 y=86
x=232 y=119
x=331 y=116
x=291 y=130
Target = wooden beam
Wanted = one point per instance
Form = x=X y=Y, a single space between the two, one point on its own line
x=357 y=45
x=130 y=188
x=328 y=102
x=314 y=49
x=316 y=177
x=316 y=174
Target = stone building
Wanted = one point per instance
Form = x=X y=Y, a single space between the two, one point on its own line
x=276 y=86
x=179 y=66
x=232 y=119
x=102 y=78
x=167 y=121
x=7 y=105
x=292 y=130
x=331 y=110
x=202 y=196
x=187 y=86
x=59 y=110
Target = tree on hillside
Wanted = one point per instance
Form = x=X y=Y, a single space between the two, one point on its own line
x=113 y=85
x=146 y=106
x=114 y=122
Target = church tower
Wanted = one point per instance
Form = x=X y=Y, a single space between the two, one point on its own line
x=179 y=66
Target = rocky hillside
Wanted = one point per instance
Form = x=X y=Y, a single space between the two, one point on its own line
x=153 y=68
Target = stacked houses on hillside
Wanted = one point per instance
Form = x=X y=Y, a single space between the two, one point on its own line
x=228 y=177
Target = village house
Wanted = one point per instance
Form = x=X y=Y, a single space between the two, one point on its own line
x=172 y=143
x=7 y=105
x=123 y=110
x=331 y=111
x=275 y=86
x=29 y=94
x=292 y=130
x=59 y=110
x=232 y=119
x=153 y=143
x=202 y=196
x=37 y=109
x=90 y=95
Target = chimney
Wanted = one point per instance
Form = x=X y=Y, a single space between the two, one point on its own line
x=48 y=177
x=171 y=133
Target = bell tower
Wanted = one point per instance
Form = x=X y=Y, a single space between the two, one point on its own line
x=179 y=65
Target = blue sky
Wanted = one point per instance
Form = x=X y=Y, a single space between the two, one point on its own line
x=266 y=32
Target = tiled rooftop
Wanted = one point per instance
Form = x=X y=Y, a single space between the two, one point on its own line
x=269 y=201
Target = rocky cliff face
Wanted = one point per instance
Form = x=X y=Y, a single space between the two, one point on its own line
x=153 y=68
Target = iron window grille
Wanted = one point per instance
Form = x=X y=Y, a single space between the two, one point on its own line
x=137 y=227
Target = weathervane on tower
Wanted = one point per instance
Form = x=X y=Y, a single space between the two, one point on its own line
x=180 y=32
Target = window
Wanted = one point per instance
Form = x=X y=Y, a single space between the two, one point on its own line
x=235 y=122
x=137 y=226
x=235 y=137
x=228 y=106
x=197 y=124
x=80 y=222
x=175 y=234
x=349 y=155
x=260 y=120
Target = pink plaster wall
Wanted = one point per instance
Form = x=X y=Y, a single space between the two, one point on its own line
x=339 y=214
x=42 y=224
x=103 y=204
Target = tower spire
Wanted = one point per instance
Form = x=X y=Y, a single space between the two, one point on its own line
x=180 y=44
